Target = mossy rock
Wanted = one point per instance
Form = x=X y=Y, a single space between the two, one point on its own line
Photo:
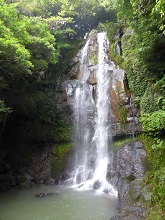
x=123 y=114
x=155 y=214
x=121 y=142
x=61 y=156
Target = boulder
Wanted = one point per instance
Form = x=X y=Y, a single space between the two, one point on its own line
x=96 y=185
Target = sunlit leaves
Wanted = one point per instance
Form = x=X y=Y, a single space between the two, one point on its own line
x=160 y=7
x=37 y=7
x=14 y=57
x=79 y=7
x=58 y=22
x=23 y=40
x=154 y=124
x=142 y=7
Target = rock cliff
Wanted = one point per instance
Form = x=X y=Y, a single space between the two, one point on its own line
x=124 y=113
x=128 y=176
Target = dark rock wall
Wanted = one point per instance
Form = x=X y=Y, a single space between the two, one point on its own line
x=129 y=178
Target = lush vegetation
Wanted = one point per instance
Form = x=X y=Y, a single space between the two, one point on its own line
x=38 y=38
x=155 y=176
x=140 y=31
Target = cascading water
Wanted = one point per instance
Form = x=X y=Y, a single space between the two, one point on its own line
x=92 y=120
x=102 y=135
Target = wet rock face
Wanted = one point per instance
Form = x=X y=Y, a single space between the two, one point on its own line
x=25 y=175
x=123 y=112
x=129 y=179
x=130 y=160
x=40 y=168
x=129 y=166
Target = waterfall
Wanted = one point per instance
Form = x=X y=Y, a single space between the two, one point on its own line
x=92 y=120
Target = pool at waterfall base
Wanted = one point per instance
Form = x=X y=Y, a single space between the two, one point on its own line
x=61 y=203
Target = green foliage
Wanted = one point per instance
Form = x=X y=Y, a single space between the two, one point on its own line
x=143 y=50
x=26 y=46
x=151 y=101
x=111 y=28
x=160 y=6
x=117 y=58
x=156 y=153
x=153 y=108
x=63 y=128
x=155 y=213
x=135 y=68
x=123 y=114
x=153 y=124
x=159 y=189
x=123 y=8
x=137 y=101
x=143 y=47
x=37 y=41
x=23 y=42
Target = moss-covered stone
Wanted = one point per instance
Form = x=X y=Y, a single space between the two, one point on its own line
x=155 y=213
x=60 y=153
x=119 y=143
x=123 y=114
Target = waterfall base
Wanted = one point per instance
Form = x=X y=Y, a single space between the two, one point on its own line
x=100 y=187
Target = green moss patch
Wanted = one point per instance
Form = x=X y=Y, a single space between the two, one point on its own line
x=155 y=214
x=119 y=143
x=123 y=114
x=60 y=153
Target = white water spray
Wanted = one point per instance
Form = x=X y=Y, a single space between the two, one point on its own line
x=92 y=121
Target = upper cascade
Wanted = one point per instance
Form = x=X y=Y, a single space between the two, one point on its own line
x=85 y=65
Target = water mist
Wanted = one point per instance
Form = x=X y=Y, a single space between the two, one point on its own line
x=92 y=119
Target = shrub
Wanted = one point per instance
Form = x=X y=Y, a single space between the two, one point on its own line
x=153 y=124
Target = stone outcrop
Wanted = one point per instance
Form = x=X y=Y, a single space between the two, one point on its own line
x=124 y=113
x=40 y=167
x=128 y=177
x=36 y=171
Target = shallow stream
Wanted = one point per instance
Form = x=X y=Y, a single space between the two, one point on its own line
x=63 y=204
